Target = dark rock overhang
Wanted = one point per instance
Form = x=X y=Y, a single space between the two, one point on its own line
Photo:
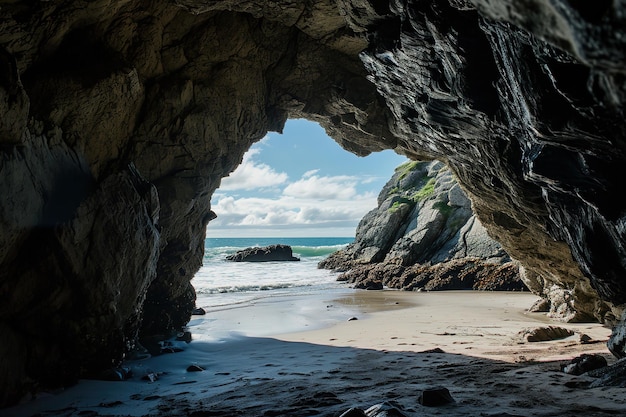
x=120 y=118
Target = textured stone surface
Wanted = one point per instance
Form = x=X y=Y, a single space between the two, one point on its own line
x=613 y=375
x=456 y=274
x=529 y=125
x=542 y=334
x=617 y=342
x=422 y=217
x=424 y=236
x=80 y=319
x=263 y=254
x=523 y=100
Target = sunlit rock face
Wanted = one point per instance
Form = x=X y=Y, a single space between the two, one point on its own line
x=423 y=236
x=119 y=119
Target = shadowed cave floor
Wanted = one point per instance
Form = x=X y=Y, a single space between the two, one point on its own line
x=270 y=377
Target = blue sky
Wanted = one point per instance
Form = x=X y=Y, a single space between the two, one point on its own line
x=300 y=183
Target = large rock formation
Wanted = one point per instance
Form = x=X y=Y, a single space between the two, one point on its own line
x=424 y=235
x=119 y=118
x=422 y=216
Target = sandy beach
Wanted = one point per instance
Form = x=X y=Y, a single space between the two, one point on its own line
x=324 y=354
x=478 y=324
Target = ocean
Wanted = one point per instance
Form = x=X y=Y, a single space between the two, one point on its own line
x=224 y=284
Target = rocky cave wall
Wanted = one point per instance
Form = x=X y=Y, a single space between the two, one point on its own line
x=119 y=118
x=530 y=128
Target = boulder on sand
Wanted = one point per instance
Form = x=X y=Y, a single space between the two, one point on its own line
x=263 y=254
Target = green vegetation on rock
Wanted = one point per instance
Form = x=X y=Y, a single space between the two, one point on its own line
x=394 y=190
x=406 y=168
x=401 y=201
x=426 y=191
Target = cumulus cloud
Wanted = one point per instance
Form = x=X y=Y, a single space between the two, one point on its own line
x=285 y=212
x=313 y=200
x=252 y=175
x=341 y=187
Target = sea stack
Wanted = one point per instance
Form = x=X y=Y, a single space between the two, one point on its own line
x=271 y=253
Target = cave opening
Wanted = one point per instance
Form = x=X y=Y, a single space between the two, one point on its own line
x=297 y=188
x=299 y=183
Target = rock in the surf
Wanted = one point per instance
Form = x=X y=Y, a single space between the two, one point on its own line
x=264 y=254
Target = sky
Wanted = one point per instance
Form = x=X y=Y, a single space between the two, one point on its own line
x=299 y=184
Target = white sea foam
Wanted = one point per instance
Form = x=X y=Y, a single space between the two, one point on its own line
x=220 y=283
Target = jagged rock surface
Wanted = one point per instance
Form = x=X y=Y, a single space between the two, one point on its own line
x=517 y=109
x=523 y=100
x=423 y=235
x=264 y=254
x=456 y=274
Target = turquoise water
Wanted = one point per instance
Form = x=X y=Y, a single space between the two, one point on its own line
x=220 y=283
x=301 y=246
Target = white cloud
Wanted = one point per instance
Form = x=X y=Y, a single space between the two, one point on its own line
x=340 y=187
x=335 y=231
x=313 y=201
x=290 y=212
x=310 y=173
x=251 y=175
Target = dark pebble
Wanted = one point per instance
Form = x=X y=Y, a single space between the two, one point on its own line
x=184 y=336
x=434 y=397
x=584 y=363
x=198 y=311
x=150 y=376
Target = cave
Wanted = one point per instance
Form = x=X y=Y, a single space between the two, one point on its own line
x=119 y=120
